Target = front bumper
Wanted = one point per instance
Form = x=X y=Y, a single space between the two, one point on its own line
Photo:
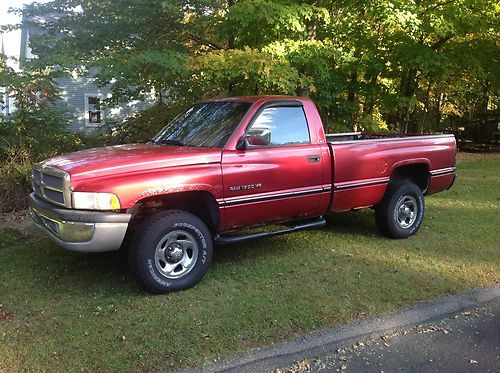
x=78 y=230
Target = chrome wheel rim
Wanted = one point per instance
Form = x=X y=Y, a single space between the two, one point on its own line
x=176 y=254
x=406 y=211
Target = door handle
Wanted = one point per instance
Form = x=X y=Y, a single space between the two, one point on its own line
x=313 y=158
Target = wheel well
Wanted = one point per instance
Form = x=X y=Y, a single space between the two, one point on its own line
x=201 y=204
x=416 y=173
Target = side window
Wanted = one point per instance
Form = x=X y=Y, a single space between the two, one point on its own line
x=284 y=125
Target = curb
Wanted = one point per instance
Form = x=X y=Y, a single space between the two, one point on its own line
x=266 y=359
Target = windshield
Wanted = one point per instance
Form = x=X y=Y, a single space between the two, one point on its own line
x=208 y=124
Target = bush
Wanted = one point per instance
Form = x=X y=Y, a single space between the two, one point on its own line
x=15 y=183
x=28 y=137
x=35 y=131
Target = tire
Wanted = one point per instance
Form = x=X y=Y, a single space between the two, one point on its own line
x=171 y=251
x=401 y=211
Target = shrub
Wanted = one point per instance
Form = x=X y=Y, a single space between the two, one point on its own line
x=35 y=131
x=26 y=138
x=15 y=182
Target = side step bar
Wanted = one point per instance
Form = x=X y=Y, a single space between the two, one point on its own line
x=309 y=224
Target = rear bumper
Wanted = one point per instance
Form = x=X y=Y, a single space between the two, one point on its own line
x=77 y=230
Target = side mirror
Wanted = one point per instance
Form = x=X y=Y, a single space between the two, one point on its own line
x=255 y=137
x=242 y=143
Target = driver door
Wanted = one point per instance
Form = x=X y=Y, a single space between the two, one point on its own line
x=278 y=174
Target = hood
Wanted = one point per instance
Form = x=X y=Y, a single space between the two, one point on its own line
x=113 y=160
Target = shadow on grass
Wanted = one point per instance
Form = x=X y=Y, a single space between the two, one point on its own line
x=354 y=224
x=448 y=231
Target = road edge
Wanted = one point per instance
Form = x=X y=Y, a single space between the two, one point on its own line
x=288 y=352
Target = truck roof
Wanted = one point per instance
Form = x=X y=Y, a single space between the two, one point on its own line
x=254 y=99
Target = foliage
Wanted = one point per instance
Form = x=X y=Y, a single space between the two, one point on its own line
x=35 y=131
x=410 y=64
x=256 y=293
x=141 y=127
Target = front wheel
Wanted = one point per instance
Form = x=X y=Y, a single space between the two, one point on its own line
x=171 y=251
x=401 y=211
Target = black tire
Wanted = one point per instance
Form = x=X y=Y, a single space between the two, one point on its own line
x=401 y=211
x=171 y=251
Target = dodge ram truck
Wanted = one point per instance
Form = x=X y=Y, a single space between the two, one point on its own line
x=228 y=164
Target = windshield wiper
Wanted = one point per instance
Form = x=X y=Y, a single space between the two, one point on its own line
x=169 y=142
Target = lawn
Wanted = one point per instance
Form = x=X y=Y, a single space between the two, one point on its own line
x=69 y=311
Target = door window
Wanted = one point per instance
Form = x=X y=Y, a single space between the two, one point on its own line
x=284 y=125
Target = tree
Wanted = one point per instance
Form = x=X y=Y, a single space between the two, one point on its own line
x=368 y=64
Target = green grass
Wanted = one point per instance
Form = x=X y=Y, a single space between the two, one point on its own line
x=74 y=311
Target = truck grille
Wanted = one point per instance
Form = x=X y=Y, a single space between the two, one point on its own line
x=51 y=184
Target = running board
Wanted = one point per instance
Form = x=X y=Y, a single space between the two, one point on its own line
x=309 y=224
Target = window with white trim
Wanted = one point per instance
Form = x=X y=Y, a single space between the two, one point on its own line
x=93 y=114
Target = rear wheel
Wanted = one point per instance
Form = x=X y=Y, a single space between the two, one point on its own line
x=401 y=211
x=171 y=251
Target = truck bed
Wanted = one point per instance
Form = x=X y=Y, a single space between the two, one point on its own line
x=357 y=136
x=363 y=164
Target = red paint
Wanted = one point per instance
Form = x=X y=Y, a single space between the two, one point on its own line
x=136 y=172
x=439 y=183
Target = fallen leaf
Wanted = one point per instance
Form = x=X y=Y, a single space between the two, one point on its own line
x=301 y=367
x=433 y=328
x=4 y=315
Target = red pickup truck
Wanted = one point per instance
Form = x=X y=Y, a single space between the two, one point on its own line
x=228 y=164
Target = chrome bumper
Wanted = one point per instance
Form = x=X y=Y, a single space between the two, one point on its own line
x=77 y=230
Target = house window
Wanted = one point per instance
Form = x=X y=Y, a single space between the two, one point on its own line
x=93 y=115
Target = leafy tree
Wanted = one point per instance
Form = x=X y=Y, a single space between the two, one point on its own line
x=394 y=64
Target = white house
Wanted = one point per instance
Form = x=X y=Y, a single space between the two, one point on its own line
x=82 y=97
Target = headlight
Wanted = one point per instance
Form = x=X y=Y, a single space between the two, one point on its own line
x=95 y=201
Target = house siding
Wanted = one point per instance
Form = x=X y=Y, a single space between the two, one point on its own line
x=73 y=94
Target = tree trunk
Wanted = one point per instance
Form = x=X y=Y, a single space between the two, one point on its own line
x=311 y=31
x=230 y=45
x=351 y=97
x=482 y=127
x=407 y=90
x=371 y=101
x=438 y=109
x=423 y=118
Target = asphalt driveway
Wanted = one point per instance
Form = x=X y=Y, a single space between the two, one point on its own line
x=459 y=333
x=465 y=341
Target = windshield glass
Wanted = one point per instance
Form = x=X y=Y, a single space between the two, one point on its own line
x=208 y=124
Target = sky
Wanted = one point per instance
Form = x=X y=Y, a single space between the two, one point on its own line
x=12 y=40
